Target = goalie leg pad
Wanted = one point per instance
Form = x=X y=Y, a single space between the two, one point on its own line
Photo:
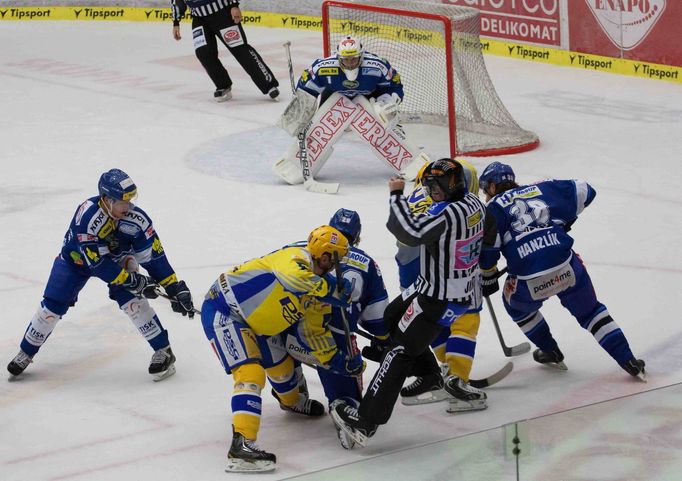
x=249 y=380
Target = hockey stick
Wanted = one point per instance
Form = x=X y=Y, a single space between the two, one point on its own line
x=308 y=182
x=517 y=350
x=160 y=293
x=344 y=319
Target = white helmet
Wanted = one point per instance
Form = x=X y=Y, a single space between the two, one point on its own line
x=349 y=52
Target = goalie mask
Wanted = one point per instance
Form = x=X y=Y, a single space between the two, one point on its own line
x=349 y=53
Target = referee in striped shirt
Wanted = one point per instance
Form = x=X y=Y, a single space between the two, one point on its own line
x=450 y=238
x=222 y=19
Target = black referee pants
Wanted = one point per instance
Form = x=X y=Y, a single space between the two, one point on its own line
x=413 y=323
x=205 y=31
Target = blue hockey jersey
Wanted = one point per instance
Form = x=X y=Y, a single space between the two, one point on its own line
x=376 y=77
x=532 y=223
x=95 y=243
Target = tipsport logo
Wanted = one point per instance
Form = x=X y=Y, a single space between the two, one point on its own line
x=627 y=22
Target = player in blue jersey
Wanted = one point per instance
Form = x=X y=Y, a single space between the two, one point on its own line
x=109 y=238
x=351 y=91
x=533 y=222
x=351 y=72
x=368 y=302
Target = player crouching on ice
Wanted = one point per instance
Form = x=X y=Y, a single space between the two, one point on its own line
x=358 y=91
x=109 y=238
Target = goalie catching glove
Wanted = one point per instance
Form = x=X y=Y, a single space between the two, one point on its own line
x=386 y=107
x=298 y=113
x=181 y=298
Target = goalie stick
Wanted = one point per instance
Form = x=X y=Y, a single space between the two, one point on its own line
x=308 y=182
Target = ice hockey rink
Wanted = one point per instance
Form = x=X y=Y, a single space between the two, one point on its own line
x=77 y=99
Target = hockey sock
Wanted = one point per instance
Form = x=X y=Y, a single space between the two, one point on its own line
x=39 y=329
x=537 y=330
x=460 y=347
x=609 y=336
x=284 y=381
x=249 y=380
x=147 y=323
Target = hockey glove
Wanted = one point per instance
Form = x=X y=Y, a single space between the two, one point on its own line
x=338 y=297
x=490 y=283
x=378 y=346
x=139 y=284
x=181 y=298
x=347 y=367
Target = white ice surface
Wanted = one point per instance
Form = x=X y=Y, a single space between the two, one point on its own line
x=87 y=409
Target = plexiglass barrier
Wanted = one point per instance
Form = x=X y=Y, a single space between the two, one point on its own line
x=634 y=438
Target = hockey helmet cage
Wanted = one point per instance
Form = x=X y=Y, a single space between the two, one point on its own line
x=349 y=53
x=348 y=223
x=497 y=172
x=447 y=174
x=117 y=185
x=327 y=240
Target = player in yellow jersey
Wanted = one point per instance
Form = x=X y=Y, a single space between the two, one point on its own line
x=243 y=314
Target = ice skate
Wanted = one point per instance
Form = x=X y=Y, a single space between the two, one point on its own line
x=347 y=419
x=222 y=95
x=274 y=93
x=635 y=368
x=424 y=390
x=553 y=358
x=246 y=457
x=345 y=439
x=464 y=397
x=162 y=364
x=304 y=405
x=19 y=364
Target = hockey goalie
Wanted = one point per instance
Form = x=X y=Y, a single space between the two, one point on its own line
x=352 y=91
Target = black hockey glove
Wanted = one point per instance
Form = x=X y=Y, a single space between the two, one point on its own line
x=490 y=284
x=347 y=367
x=139 y=284
x=378 y=346
x=181 y=298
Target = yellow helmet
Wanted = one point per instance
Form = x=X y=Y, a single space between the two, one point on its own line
x=420 y=174
x=470 y=176
x=326 y=239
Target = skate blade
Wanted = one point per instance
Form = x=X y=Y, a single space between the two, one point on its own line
x=160 y=376
x=641 y=376
x=458 y=406
x=425 y=398
x=243 y=466
x=344 y=438
x=356 y=436
x=560 y=366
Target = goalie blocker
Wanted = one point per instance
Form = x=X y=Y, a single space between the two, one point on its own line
x=328 y=124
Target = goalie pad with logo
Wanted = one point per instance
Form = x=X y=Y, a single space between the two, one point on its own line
x=358 y=115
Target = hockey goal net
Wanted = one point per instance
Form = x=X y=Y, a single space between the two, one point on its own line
x=437 y=52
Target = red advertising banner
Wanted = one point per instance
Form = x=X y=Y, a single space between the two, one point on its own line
x=641 y=30
x=534 y=21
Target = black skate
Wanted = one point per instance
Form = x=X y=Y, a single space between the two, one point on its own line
x=345 y=439
x=162 y=364
x=273 y=93
x=553 y=358
x=347 y=419
x=222 y=95
x=635 y=368
x=19 y=364
x=304 y=405
x=464 y=397
x=424 y=390
x=246 y=457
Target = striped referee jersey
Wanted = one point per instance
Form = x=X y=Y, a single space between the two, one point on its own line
x=450 y=238
x=199 y=8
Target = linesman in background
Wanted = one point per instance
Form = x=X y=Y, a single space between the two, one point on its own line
x=222 y=19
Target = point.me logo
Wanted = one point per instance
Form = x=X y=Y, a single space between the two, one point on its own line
x=627 y=22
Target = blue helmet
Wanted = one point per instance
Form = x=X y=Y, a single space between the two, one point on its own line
x=117 y=185
x=497 y=172
x=348 y=223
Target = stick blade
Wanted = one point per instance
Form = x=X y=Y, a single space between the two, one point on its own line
x=493 y=378
x=519 y=349
x=321 y=187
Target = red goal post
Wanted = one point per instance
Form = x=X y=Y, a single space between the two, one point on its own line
x=436 y=49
